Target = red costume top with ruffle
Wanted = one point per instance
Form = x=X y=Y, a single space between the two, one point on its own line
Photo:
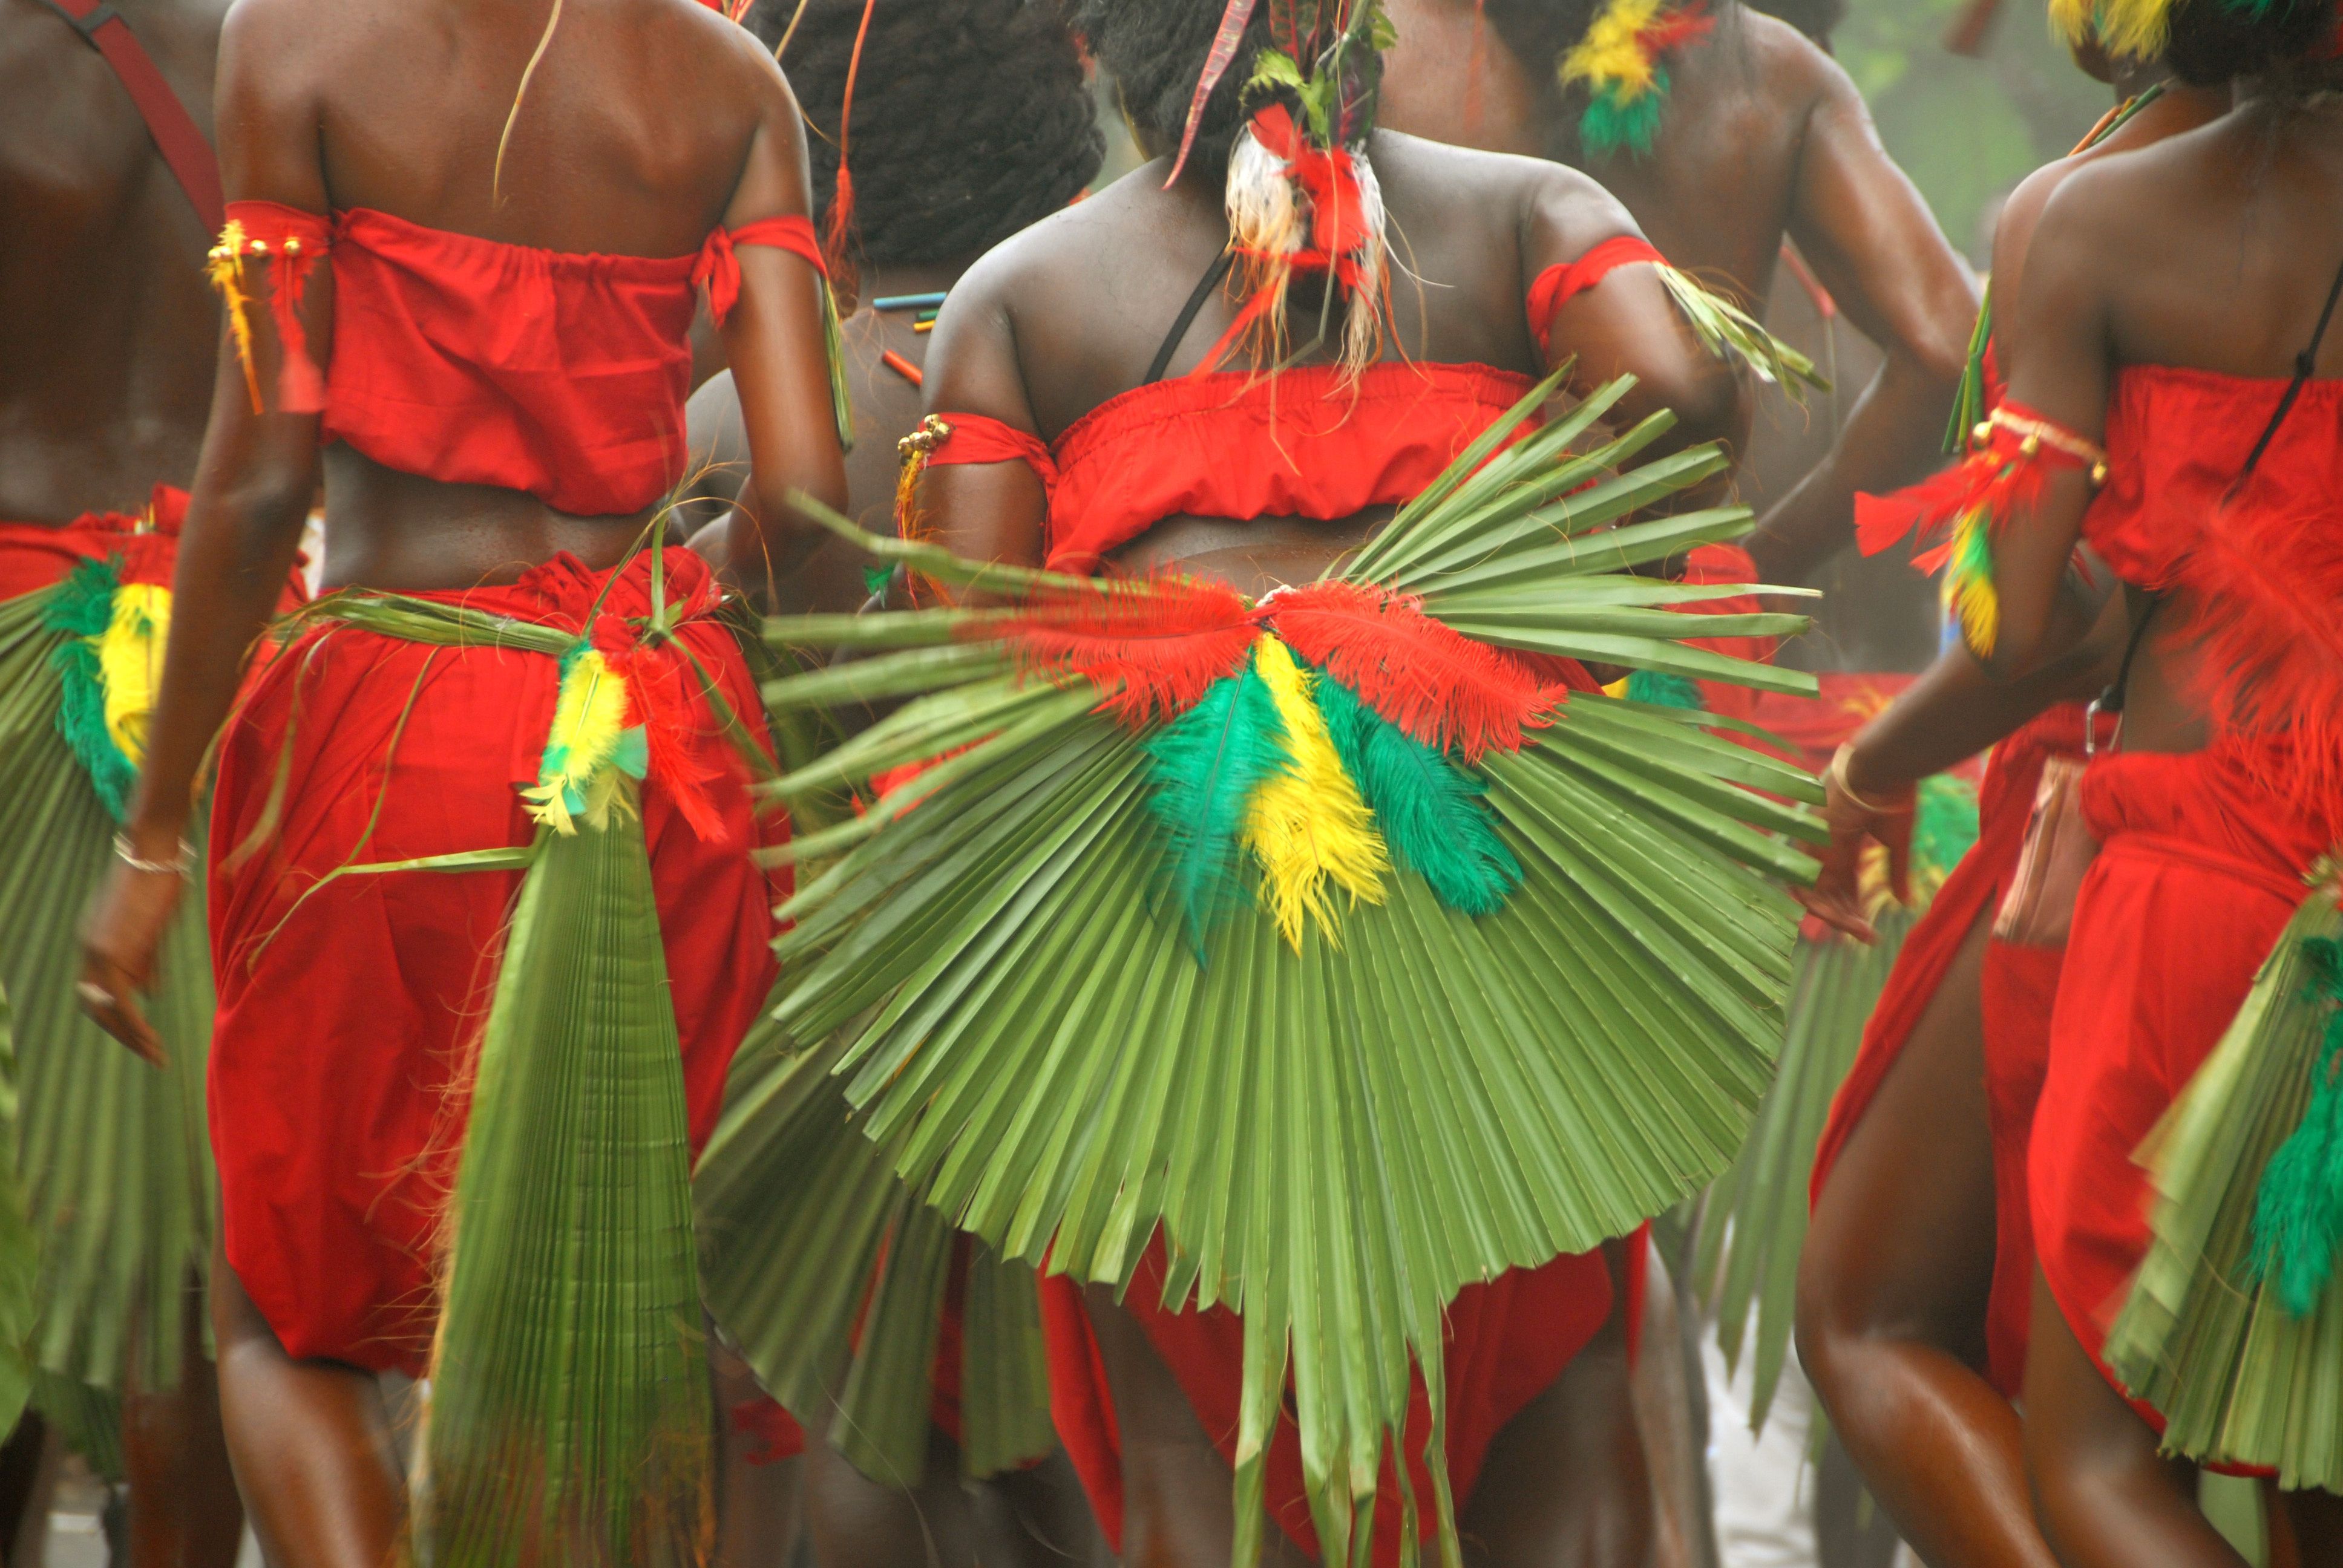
x=473 y=361
x=1302 y=443
x=2204 y=853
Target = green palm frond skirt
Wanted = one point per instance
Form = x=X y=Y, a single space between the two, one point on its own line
x=113 y=1154
x=1337 y=953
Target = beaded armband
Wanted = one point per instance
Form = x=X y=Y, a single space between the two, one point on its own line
x=2012 y=453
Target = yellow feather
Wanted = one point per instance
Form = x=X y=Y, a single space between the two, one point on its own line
x=130 y=663
x=1610 y=53
x=2137 y=29
x=578 y=777
x=1307 y=824
x=1971 y=594
x=225 y=268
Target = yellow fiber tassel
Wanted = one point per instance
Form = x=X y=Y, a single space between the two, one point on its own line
x=225 y=268
x=1612 y=54
x=130 y=663
x=1307 y=823
x=590 y=751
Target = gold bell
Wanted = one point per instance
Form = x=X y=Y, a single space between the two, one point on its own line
x=2031 y=446
x=2098 y=474
x=292 y=247
x=1983 y=432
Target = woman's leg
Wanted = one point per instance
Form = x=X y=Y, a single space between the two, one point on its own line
x=757 y=1505
x=183 y=1508
x=2106 y=1497
x=1035 y=1518
x=310 y=1441
x=1567 y=1484
x=1178 y=1507
x=2312 y=1522
x=1892 y=1294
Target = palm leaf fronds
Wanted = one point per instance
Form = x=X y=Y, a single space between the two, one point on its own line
x=1755 y=1224
x=2207 y=1335
x=1724 y=326
x=1336 y=1124
x=20 y=1254
x=833 y=1295
x=570 y=1417
x=114 y=1156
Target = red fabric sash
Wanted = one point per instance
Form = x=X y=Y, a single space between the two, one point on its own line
x=1565 y=281
x=176 y=134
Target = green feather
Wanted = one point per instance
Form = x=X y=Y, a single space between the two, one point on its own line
x=1662 y=689
x=2299 y=1209
x=1428 y=806
x=1613 y=121
x=1205 y=768
x=1946 y=824
x=83 y=608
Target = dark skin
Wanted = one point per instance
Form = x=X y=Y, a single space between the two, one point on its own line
x=106 y=356
x=1765 y=138
x=1067 y=315
x=1890 y=1330
x=321 y=108
x=2235 y=291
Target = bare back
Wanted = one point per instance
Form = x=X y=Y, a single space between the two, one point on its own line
x=107 y=341
x=405 y=106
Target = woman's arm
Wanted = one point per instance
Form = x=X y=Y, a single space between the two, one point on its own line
x=987 y=511
x=1626 y=324
x=1873 y=243
x=2057 y=353
x=253 y=482
x=775 y=344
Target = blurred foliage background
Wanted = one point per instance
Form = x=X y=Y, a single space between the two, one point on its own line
x=1966 y=130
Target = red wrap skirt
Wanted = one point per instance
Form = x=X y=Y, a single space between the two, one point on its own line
x=33 y=555
x=345 y=1013
x=2200 y=867
x=2019 y=984
x=1505 y=1343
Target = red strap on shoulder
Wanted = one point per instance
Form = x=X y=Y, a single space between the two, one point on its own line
x=177 y=136
x=718 y=269
x=979 y=438
x=1565 y=281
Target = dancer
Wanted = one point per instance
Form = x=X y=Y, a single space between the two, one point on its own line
x=1916 y=1351
x=1084 y=419
x=967 y=121
x=112 y=188
x=463 y=245
x=2212 y=808
x=1722 y=131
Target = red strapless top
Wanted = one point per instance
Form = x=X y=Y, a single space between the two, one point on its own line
x=474 y=361
x=2259 y=574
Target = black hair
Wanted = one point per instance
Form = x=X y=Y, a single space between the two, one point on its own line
x=972 y=118
x=1155 y=50
x=2214 y=42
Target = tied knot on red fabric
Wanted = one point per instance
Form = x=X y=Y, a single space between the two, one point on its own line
x=717 y=271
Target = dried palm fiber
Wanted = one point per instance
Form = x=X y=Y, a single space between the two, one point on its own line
x=113 y=1155
x=1067 y=1055
x=2234 y=1325
x=571 y=1418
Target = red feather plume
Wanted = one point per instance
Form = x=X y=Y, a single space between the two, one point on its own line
x=1996 y=481
x=1152 y=645
x=1438 y=686
x=2264 y=594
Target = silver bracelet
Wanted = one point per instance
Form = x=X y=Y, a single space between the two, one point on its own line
x=184 y=865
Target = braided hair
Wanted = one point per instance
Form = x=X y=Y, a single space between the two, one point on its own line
x=972 y=118
x=1155 y=51
x=2216 y=41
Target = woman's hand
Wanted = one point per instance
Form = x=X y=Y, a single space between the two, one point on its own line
x=119 y=938
x=1856 y=821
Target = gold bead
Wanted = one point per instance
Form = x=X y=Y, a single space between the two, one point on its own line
x=2031 y=446
x=1983 y=433
x=2098 y=472
x=292 y=247
x=260 y=247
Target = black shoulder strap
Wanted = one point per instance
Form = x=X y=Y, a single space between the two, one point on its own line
x=1213 y=277
x=2304 y=365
